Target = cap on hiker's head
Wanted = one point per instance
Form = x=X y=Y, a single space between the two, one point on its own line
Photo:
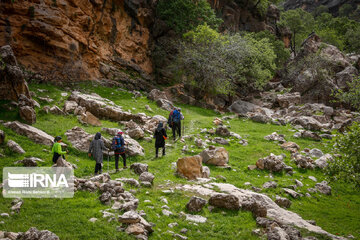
x=120 y=133
x=57 y=138
x=179 y=109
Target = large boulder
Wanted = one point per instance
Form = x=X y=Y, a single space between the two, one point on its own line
x=195 y=204
x=104 y=108
x=28 y=114
x=136 y=133
x=227 y=201
x=89 y=118
x=273 y=163
x=13 y=146
x=323 y=161
x=309 y=123
x=29 y=162
x=156 y=94
x=36 y=135
x=139 y=168
x=317 y=71
x=190 y=167
x=242 y=107
x=35 y=234
x=70 y=106
x=165 y=104
x=79 y=138
x=12 y=82
x=215 y=156
x=323 y=188
x=288 y=99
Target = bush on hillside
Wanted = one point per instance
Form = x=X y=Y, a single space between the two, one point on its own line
x=186 y=15
x=224 y=63
x=347 y=166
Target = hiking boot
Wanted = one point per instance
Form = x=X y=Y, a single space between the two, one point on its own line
x=117 y=170
x=125 y=167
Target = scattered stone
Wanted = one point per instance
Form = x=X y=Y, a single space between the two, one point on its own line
x=139 y=168
x=17 y=206
x=290 y=146
x=322 y=162
x=146 y=177
x=129 y=181
x=93 y=220
x=129 y=217
x=309 y=134
x=14 y=147
x=222 y=131
x=184 y=231
x=34 y=234
x=215 y=156
x=172 y=225
x=181 y=237
x=29 y=162
x=260 y=118
x=273 y=163
x=316 y=153
x=227 y=201
x=56 y=110
x=28 y=114
x=135 y=229
x=323 y=188
x=251 y=167
x=283 y=202
x=288 y=99
x=291 y=192
x=166 y=212
x=303 y=162
x=194 y=218
x=70 y=106
x=276 y=137
x=4 y=215
x=217 y=121
x=313 y=178
x=270 y=184
x=298 y=183
x=221 y=141
x=195 y=204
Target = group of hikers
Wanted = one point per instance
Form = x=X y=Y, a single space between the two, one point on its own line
x=118 y=143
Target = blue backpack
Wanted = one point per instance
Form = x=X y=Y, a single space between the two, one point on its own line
x=176 y=116
x=116 y=144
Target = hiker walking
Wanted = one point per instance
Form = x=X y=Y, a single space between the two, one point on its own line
x=169 y=122
x=118 y=145
x=160 y=137
x=176 y=124
x=96 y=150
x=57 y=150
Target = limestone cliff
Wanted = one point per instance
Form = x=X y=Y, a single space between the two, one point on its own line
x=68 y=40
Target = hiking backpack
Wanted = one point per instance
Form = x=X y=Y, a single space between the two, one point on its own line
x=116 y=143
x=176 y=116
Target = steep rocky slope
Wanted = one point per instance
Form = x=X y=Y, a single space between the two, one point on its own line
x=69 y=40
x=333 y=5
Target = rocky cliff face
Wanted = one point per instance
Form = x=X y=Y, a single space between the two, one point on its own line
x=70 y=40
x=242 y=16
x=310 y=5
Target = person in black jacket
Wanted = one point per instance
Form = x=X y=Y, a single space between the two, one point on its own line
x=160 y=137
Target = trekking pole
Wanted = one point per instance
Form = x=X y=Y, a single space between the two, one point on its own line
x=108 y=160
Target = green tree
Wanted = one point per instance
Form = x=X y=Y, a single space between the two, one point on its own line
x=352 y=37
x=345 y=10
x=299 y=22
x=346 y=165
x=185 y=15
x=282 y=53
x=320 y=10
x=223 y=63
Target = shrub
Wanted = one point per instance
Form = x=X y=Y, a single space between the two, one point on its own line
x=352 y=96
x=186 y=15
x=347 y=166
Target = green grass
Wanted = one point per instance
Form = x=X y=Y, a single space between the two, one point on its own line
x=68 y=218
